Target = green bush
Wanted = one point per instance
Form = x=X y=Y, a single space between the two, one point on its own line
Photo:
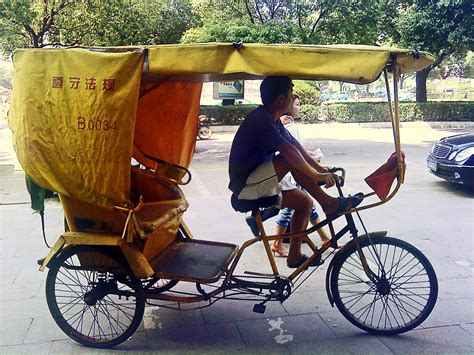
x=227 y=115
x=443 y=111
x=308 y=93
x=356 y=112
x=408 y=111
x=308 y=113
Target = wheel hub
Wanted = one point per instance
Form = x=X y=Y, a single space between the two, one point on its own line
x=99 y=291
x=383 y=286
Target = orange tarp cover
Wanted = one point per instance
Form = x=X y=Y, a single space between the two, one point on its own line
x=167 y=123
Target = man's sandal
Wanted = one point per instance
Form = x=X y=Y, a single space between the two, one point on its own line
x=317 y=261
x=346 y=203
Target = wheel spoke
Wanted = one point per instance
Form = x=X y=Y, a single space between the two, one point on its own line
x=112 y=317
x=400 y=298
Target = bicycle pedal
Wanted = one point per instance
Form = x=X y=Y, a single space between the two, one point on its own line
x=259 y=308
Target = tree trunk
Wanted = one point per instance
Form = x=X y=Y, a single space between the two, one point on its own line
x=421 y=77
x=402 y=80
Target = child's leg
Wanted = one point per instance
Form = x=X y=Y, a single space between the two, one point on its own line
x=314 y=219
x=321 y=231
x=282 y=223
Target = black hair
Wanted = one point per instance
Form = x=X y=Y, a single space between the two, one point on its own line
x=274 y=86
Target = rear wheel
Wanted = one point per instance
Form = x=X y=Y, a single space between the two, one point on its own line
x=94 y=297
x=401 y=294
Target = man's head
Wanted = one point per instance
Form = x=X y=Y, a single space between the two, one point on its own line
x=275 y=88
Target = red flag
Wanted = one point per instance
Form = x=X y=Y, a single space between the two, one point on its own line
x=381 y=180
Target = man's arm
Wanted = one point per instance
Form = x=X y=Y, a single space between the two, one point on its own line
x=309 y=159
x=297 y=161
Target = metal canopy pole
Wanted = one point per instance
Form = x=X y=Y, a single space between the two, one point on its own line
x=395 y=119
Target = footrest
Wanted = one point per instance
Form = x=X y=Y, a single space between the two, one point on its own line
x=194 y=260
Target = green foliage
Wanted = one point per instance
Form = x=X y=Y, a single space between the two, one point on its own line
x=439 y=111
x=351 y=22
x=227 y=115
x=309 y=113
x=235 y=30
x=102 y=23
x=172 y=20
x=285 y=21
x=409 y=111
x=351 y=112
x=441 y=27
x=355 y=112
x=307 y=91
x=39 y=23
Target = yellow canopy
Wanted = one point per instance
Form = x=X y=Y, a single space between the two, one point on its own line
x=78 y=114
x=223 y=61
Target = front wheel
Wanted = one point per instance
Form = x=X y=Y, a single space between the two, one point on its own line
x=400 y=295
x=93 y=296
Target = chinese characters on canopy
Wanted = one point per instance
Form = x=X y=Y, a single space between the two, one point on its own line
x=74 y=82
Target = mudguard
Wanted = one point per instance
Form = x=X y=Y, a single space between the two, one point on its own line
x=338 y=255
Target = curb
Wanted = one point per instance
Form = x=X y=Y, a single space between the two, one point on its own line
x=419 y=124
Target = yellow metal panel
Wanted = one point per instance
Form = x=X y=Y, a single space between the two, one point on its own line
x=137 y=262
x=56 y=247
x=78 y=238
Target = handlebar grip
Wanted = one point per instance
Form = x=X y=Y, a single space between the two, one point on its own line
x=342 y=177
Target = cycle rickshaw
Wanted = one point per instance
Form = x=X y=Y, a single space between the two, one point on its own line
x=79 y=115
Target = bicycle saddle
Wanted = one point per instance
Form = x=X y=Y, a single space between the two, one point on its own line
x=253 y=205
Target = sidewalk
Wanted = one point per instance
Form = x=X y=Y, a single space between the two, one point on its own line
x=303 y=324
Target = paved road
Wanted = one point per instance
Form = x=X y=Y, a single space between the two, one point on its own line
x=433 y=215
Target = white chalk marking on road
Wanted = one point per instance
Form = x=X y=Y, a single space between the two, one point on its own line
x=462 y=263
x=281 y=338
x=199 y=184
x=150 y=319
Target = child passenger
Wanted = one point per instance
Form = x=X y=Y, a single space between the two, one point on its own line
x=288 y=183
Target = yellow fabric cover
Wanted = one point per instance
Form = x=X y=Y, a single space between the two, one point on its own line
x=73 y=117
x=213 y=61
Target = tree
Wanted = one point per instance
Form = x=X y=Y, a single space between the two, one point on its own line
x=286 y=21
x=456 y=65
x=40 y=23
x=442 y=27
x=27 y=23
x=173 y=19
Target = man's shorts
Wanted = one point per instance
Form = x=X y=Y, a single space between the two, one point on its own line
x=288 y=183
x=262 y=182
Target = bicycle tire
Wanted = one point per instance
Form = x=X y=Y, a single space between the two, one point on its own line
x=396 y=303
x=114 y=315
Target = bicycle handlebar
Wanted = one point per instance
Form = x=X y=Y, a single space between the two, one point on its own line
x=342 y=177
